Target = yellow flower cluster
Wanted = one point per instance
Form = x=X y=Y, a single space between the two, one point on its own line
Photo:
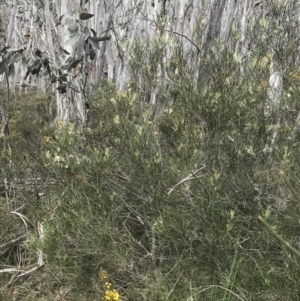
x=60 y=123
x=47 y=138
x=121 y=95
x=110 y=294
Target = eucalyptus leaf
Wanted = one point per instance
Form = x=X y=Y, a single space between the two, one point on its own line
x=63 y=78
x=62 y=88
x=59 y=20
x=69 y=21
x=85 y=16
x=38 y=53
x=17 y=58
x=94 y=32
x=45 y=56
x=87 y=32
x=4 y=49
x=53 y=79
x=65 y=51
x=74 y=39
x=74 y=64
x=35 y=65
x=92 y=54
x=93 y=42
x=24 y=60
x=11 y=69
x=99 y=39
x=63 y=18
x=2 y=68
x=73 y=27
x=69 y=59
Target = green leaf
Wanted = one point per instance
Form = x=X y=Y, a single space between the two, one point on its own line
x=17 y=58
x=93 y=42
x=65 y=51
x=53 y=79
x=74 y=64
x=69 y=59
x=94 y=32
x=86 y=32
x=38 y=53
x=85 y=16
x=60 y=18
x=62 y=88
x=99 y=39
x=73 y=27
x=74 y=39
x=64 y=18
x=2 y=67
x=63 y=78
x=92 y=54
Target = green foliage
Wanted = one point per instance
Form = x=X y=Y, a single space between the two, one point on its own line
x=187 y=205
x=168 y=207
x=116 y=204
x=30 y=121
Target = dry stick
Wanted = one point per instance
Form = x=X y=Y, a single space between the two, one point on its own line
x=11 y=270
x=221 y=287
x=286 y=243
x=12 y=243
x=172 y=289
x=23 y=218
x=191 y=176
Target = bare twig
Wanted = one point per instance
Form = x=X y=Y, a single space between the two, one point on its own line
x=220 y=287
x=191 y=176
x=13 y=242
x=11 y=270
x=182 y=35
x=23 y=218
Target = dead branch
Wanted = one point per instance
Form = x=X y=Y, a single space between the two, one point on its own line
x=191 y=176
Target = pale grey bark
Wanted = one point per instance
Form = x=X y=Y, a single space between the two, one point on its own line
x=11 y=25
x=244 y=18
x=213 y=27
x=227 y=22
x=181 y=26
x=275 y=84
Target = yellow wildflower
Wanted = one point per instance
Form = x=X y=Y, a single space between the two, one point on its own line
x=107 y=284
x=47 y=138
x=60 y=123
x=103 y=275
x=112 y=295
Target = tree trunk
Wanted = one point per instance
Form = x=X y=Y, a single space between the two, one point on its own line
x=184 y=26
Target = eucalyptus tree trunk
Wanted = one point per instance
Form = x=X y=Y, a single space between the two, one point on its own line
x=189 y=27
x=213 y=27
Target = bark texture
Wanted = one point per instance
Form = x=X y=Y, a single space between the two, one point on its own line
x=190 y=27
